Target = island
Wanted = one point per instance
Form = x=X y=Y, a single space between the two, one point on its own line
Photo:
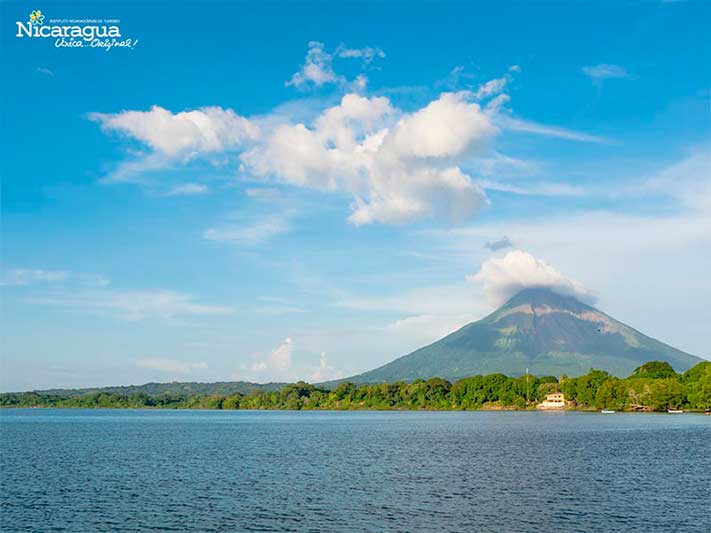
x=653 y=386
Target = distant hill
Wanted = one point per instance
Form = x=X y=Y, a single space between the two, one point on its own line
x=538 y=330
x=173 y=388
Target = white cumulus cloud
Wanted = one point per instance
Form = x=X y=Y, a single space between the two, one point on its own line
x=325 y=371
x=317 y=69
x=446 y=127
x=208 y=129
x=504 y=277
x=398 y=167
x=277 y=363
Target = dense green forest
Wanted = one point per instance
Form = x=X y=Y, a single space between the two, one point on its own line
x=654 y=386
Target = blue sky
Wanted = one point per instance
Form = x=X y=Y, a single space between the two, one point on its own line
x=273 y=191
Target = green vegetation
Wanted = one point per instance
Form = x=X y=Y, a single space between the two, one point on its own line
x=651 y=387
x=654 y=369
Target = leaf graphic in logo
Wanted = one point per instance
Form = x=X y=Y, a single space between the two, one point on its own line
x=36 y=17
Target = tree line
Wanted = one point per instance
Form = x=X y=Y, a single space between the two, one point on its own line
x=654 y=386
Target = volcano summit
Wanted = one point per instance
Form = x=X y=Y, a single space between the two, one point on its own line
x=538 y=330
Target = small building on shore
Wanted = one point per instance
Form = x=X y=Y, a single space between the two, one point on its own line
x=552 y=402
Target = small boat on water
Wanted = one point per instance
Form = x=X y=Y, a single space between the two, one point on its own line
x=607 y=412
x=674 y=411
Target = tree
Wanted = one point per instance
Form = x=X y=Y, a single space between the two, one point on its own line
x=698 y=386
x=654 y=369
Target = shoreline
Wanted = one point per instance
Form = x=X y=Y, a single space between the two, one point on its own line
x=484 y=409
x=653 y=387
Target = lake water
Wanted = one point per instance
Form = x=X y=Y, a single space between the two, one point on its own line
x=125 y=470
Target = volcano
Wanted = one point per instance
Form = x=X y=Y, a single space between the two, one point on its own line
x=538 y=330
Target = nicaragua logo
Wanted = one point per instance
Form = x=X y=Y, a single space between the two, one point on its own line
x=72 y=33
x=36 y=17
